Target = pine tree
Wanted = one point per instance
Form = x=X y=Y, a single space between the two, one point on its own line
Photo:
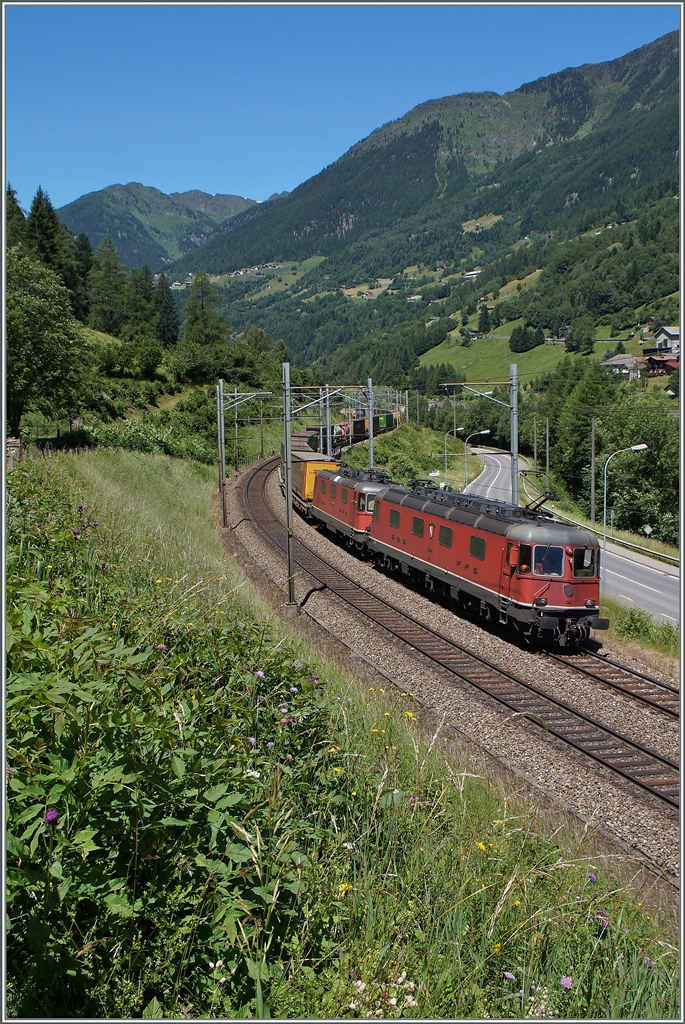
x=140 y=304
x=15 y=219
x=167 y=317
x=51 y=241
x=203 y=324
x=107 y=290
x=84 y=260
x=484 y=320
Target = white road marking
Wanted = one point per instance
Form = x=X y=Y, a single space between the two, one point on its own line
x=670 y=617
x=636 y=583
x=626 y=598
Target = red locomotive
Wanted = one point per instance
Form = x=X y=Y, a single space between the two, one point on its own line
x=513 y=565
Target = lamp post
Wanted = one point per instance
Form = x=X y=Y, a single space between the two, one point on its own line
x=466 y=471
x=633 y=448
x=455 y=431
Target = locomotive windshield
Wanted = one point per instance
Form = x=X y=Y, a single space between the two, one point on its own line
x=548 y=561
x=584 y=560
x=366 y=502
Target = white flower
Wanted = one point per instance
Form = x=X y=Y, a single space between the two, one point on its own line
x=252 y=774
x=393 y=1002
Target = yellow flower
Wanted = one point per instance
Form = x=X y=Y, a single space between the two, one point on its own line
x=109 y=638
x=354 y=792
x=371 y=689
x=481 y=846
x=381 y=691
x=177 y=581
x=498 y=946
x=535 y=938
x=339 y=770
x=386 y=714
x=403 y=695
x=331 y=750
x=49 y=567
x=345 y=887
x=383 y=731
x=517 y=903
x=374 y=729
x=189 y=625
x=168 y=579
x=158 y=581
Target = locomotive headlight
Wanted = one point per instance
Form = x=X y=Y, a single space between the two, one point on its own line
x=589 y=603
x=540 y=602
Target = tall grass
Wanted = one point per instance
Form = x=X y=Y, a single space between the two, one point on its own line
x=238 y=829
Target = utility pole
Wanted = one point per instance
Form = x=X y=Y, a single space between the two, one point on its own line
x=418 y=414
x=261 y=428
x=535 y=444
x=514 y=419
x=235 y=443
x=222 y=456
x=329 y=443
x=592 y=474
x=321 y=421
x=369 y=385
x=288 y=472
x=547 y=458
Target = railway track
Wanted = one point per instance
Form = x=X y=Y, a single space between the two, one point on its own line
x=629 y=759
x=655 y=694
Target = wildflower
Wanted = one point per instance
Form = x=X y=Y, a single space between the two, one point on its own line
x=345 y=887
x=158 y=581
x=510 y=976
x=649 y=963
x=313 y=679
x=160 y=647
x=374 y=729
x=371 y=689
x=76 y=532
x=498 y=946
x=252 y=774
x=271 y=744
x=339 y=770
x=80 y=508
x=566 y=982
x=95 y=524
x=403 y=695
x=481 y=846
x=413 y=799
x=354 y=792
x=381 y=691
x=293 y=689
x=386 y=714
x=51 y=817
x=592 y=876
x=53 y=540
x=252 y=741
x=259 y=673
x=48 y=566
x=517 y=903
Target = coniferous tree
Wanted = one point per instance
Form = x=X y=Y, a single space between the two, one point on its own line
x=107 y=290
x=15 y=219
x=140 y=303
x=203 y=324
x=484 y=320
x=51 y=241
x=167 y=317
x=84 y=261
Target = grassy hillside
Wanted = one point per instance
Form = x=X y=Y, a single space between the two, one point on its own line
x=206 y=820
x=148 y=226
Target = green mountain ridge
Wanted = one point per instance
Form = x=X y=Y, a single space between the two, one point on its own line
x=431 y=162
x=149 y=226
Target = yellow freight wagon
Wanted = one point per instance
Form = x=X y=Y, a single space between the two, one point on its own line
x=305 y=467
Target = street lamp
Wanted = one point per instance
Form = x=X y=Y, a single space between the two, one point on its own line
x=633 y=448
x=477 y=433
x=455 y=431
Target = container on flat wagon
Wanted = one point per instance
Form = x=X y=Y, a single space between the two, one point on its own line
x=305 y=466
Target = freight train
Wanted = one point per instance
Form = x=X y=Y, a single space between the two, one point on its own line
x=513 y=565
x=351 y=431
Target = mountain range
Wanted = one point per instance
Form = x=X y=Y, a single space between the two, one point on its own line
x=148 y=226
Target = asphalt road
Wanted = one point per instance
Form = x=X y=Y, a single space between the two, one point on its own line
x=631 y=578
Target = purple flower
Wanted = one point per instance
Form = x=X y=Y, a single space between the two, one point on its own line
x=51 y=818
x=510 y=976
x=293 y=689
x=80 y=508
x=271 y=744
x=161 y=647
x=413 y=799
x=252 y=741
x=260 y=674
x=649 y=963
x=592 y=876
x=76 y=532
x=566 y=982
x=53 y=540
x=603 y=919
x=288 y=720
x=313 y=679
x=283 y=711
x=95 y=525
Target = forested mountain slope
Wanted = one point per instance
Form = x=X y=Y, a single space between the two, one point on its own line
x=543 y=155
x=148 y=226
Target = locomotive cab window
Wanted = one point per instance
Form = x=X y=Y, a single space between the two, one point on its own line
x=377 y=510
x=394 y=517
x=417 y=526
x=370 y=502
x=334 y=490
x=323 y=486
x=344 y=495
x=477 y=547
x=361 y=502
x=525 y=558
x=548 y=561
x=445 y=536
x=584 y=563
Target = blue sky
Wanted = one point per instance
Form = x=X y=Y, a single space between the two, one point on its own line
x=254 y=99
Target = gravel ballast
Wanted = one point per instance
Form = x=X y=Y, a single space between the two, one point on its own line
x=583 y=788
